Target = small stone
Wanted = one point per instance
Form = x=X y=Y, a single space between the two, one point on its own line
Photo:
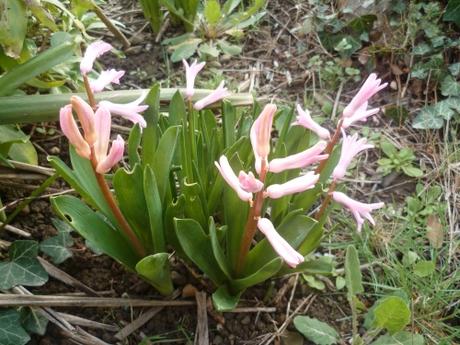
x=189 y=291
x=55 y=150
x=246 y=320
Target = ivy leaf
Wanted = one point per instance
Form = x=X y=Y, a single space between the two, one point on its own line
x=428 y=118
x=11 y=331
x=57 y=247
x=454 y=68
x=452 y=13
x=23 y=267
x=391 y=313
x=33 y=321
x=450 y=87
x=316 y=331
x=400 y=338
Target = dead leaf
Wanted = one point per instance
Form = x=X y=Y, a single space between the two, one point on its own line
x=396 y=70
x=435 y=233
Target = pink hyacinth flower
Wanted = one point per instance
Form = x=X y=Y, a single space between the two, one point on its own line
x=129 y=111
x=93 y=51
x=218 y=94
x=86 y=116
x=115 y=155
x=106 y=78
x=260 y=134
x=299 y=160
x=279 y=244
x=190 y=74
x=296 y=185
x=249 y=183
x=360 y=115
x=304 y=119
x=370 y=87
x=70 y=129
x=102 y=125
x=358 y=209
x=351 y=146
x=229 y=176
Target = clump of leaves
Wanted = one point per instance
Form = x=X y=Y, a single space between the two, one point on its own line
x=399 y=161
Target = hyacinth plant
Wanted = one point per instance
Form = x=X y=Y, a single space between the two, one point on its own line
x=177 y=190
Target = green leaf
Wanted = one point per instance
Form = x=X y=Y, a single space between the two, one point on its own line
x=230 y=5
x=450 y=87
x=391 y=313
x=42 y=14
x=13 y=26
x=229 y=49
x=428 y=118
x=388 y=148
x=93 y=227
x=23 y=267
x=400 y=338
x=134 y=141
x=223 y=300
x=24 y=152
x=33 y=321
x=316 y=331
x=57 y=247
x=265 y=272
x=412 y=171
x=197 y=245
x=454 y=68
x=217 y=249
x=152 y=12
x=35 y=66
x=155 y=210
x=185 y=49
x=208 y=49
x=149 y=134
x=155 y=269
x=424 y=268
x=11 y=331
x=452 y=12
x=212 y=11
x=353 y=275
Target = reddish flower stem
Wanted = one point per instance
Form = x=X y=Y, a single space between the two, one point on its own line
x=251 y=223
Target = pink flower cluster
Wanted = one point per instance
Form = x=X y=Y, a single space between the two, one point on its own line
x=96 y=125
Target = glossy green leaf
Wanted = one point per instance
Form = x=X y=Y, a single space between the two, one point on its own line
x=262 y=274
x=35 y=66
x=24 y=152
x=13 y=27
x=23 y=268
x=134 y=142
x=57 y=247
x=223 y=300
x=197 y=245
x=177 y=112
x=33 y=321
x=217 y=250
x=155 y=269
x=95 y=229
x=152 y=12
x=353 y=275
x=320 y=333
x=150 y=133
x=11 y=330
x=155 y=210
x=310 y=266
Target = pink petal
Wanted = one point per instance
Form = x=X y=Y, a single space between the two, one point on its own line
x=229 y=176
x=93 y=51
x=304 y=119
x=86 y=116
x=70 y=129
x=115 y=155
x=260 y=133
x=103 y=125
x=106 y=78
x=249 y=183
x=129 y=111
x=296 y=185
x=279 y=244
x=190 y=75
x=299 y=160
x=218 y=94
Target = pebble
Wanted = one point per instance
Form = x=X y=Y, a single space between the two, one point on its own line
x=55 y=150
x=246 y=320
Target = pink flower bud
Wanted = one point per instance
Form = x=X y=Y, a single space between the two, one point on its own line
x=304 y=119
x=229 y=176
x=296 y=185
x=361 y=114
x=70 y=129
x=351 y=146
x=370 y=87
x=93 y=51
x=218 y=94
x=190 y=74
x=358 y=209
x=129 y=111
x=86 y=116
x=279 y=244
x=115 y=155
x=103 y=123
x=249 y=183
x=105 y=78
x=261 y=132
x=299 y=160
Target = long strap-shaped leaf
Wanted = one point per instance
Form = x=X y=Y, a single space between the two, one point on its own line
x=40 y=108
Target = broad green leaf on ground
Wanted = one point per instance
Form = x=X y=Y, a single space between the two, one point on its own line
x=391 y=313
x=155 y=269
x=424 y=268
x=452 y=12
x=400 y=338
x=33 y=321
x=412 y=171
x=11 y=331
x=23 y=267
x=24 y=152
x=185 y=50
x=316 y=331
x=353 y=277
x=13 y=26
x=223 y=300
x=57 y=247
x=450 y=87
x=428 y=118
x=212 y=11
